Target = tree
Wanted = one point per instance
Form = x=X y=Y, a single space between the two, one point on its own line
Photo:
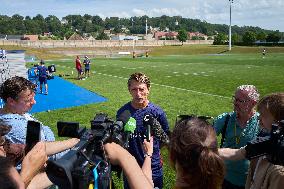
x=261 y=36
x=273 y=37
x=102 y=36
x=236 y=38
x=249 y=38
x=220 y=39
x=182 y=36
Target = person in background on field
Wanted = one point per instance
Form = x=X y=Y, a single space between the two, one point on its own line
x=87 y=63
x=262 y=173
x=263 y=52
x=2 y=53
x=139 y=106
x=79 y=67
x=193 y=153
x=42 y=76
x=237 y=128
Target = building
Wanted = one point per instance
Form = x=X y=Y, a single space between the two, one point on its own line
x=196 y=34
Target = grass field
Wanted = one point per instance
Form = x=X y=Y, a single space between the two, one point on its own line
x=185 y=80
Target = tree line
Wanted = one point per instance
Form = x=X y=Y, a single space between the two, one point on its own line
x=95 y=25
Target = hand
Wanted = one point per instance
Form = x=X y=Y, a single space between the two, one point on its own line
x=115 y=152
x=148 y=146
x=33 y=162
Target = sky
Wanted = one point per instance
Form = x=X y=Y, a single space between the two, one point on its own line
x=267 y=14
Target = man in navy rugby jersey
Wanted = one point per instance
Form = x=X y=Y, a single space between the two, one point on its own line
x=139 y=106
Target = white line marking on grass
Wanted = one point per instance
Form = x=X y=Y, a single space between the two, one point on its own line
x=172 y=87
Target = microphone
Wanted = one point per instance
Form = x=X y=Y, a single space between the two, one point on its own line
x=154 y=126
x=129 y=128
x=121 y=121
x=148 y=121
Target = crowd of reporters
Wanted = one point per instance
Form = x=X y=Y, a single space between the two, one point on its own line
x=193 y=146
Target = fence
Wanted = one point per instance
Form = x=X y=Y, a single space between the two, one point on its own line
x=98 y=43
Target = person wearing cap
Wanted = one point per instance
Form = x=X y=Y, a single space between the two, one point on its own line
x=238 y=128
x=42 y=73
x=87 y=63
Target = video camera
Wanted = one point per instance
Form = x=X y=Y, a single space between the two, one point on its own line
x=86 y=162
x=272 y=146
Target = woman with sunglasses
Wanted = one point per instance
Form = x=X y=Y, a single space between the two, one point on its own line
x=193 y=153
x=262 y=173
x=237 y=128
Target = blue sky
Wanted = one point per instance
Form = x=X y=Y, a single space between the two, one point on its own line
x=267 y=14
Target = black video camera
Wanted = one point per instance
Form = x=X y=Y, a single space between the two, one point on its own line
x=272 y=146
x=75 y=169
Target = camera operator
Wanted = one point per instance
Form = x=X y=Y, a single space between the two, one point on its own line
x=34 y=160
x=262 y=173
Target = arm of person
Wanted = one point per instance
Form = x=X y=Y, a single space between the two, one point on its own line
x=164 y=122
x=276 y=178
x=59 y=146
x=232 y=154
x=40 y=181
x=33 y=162
x=135 y=176
x=146 y=167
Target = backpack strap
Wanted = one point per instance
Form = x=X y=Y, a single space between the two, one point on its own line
x=224 y=129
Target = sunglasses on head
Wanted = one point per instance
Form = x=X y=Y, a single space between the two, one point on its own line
x=189 y=117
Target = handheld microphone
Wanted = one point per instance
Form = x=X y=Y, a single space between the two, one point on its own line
x=154 y=126
x=129 y=128
x=148 y=121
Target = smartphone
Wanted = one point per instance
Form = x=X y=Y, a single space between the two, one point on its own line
x=33 y=135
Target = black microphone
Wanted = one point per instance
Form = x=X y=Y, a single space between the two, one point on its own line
x=121 y=121
x=148 y=121
x=154 y=126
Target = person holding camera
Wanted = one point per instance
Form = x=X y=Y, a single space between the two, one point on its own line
x=193 y=153
x=33 y=161
x=139 y=106
x=263 y=173
x=237 y=128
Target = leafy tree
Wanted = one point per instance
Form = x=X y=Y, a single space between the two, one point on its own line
x=261 y=36
x=102 y=36
x=236 y=38
x=249 y=37
x=182 y=36
x=220 y=39
x=273 y=37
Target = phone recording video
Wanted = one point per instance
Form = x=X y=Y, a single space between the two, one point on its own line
x=33 y=135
